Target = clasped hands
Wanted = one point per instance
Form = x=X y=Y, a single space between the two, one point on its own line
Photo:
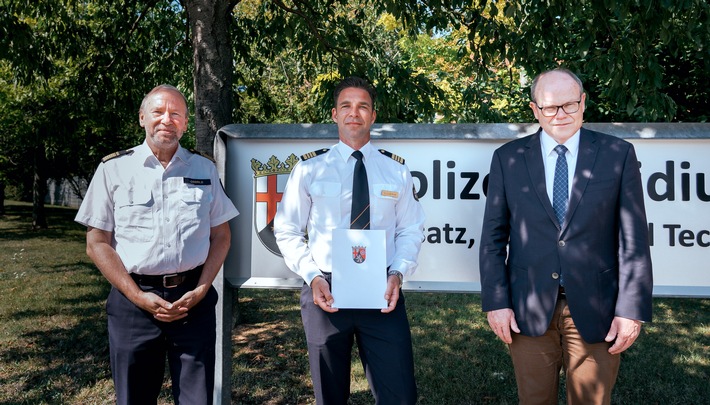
x=165 y=311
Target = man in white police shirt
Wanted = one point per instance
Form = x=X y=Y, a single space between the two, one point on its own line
x=317 y=199
x=157 y=230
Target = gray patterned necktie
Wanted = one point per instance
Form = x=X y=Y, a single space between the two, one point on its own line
x=559 y=189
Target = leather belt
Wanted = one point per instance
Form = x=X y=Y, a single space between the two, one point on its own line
x=166 y=280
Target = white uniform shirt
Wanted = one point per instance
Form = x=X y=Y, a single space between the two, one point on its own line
x=549 y=159
x=317 y=200
x=160 y=217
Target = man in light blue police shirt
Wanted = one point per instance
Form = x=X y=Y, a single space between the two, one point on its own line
x=157 y=230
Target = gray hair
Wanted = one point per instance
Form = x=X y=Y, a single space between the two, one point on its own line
x=161 y=88
x=559 y=70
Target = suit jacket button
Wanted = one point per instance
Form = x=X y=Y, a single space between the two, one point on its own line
x=561 y=243
x=555 y=276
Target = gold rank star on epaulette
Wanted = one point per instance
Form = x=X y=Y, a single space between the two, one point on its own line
x=116 y=154
x=392 y=156
x=313 y=154
x=203 y=154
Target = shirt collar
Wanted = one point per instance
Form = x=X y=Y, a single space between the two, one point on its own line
x=182 y=154
x=548 y=143
x=345 y=151
x=144 y=153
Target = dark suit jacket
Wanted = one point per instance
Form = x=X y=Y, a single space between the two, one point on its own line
x=602 y=248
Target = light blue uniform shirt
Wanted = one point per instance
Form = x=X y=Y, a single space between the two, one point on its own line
x=160 y=217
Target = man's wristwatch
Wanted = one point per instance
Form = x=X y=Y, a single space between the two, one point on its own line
x=396 y=273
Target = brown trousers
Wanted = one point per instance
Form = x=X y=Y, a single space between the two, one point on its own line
x=590 y=370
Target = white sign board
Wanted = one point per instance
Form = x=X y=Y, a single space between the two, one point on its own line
x=450 y=164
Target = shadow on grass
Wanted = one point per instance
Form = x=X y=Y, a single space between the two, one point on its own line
x=459 y=361
x=452 y=355
x=670 y=361
x=270 y=360
x=62 y=344
x=17 y=224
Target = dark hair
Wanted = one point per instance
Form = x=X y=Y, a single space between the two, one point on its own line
x=355 y=82
x=560 y=70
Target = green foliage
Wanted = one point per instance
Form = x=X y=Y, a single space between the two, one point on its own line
x=73 y=76
x=311 y=46
x=640 y=60
x=458 y=61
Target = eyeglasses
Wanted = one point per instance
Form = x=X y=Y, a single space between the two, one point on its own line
x=552 y=110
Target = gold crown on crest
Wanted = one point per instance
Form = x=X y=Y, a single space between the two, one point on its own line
x=273 y=166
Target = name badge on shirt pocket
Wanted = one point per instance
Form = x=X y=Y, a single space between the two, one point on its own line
x=386 y=191
x=197 y=182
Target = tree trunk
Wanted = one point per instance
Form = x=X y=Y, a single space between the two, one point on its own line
x=2 y=197
x=39 y=191
x=210 y=23
x=40 y=172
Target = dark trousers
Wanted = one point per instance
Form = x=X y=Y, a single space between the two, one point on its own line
x=384 y=343
x=139 y=344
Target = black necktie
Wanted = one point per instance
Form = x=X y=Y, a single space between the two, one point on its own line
x=360 y=211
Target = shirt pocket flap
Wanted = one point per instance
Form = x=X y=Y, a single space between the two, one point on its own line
x=192 y=194
x=134 y=196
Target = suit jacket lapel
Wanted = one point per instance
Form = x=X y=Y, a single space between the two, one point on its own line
x=586 y=157
x=536 y=170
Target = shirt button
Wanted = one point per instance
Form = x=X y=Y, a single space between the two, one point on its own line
x=561 y=243
x=555 y=276
x=167 y=219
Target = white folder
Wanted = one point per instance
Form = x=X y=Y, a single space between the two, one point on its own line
x=359 y=277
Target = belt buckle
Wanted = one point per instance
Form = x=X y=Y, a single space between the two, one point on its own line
x=172 y=280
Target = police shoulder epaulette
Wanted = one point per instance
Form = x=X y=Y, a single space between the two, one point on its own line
x=203 y=154
x=116 y=154
x=392 y=156
x=313 y=154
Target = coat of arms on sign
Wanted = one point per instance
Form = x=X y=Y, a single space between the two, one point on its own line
x=266 y=200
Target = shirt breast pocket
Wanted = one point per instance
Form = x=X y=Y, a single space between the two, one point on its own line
x=134 y=215
x=384 y=202
x=196 y=200
x=326 y=198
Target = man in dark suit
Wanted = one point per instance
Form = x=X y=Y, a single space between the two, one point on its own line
x=565 y=260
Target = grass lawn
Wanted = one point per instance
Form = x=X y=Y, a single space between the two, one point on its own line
x=54 y=345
